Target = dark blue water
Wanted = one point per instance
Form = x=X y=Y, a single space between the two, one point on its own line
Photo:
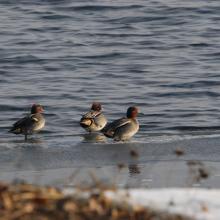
x=162 y=56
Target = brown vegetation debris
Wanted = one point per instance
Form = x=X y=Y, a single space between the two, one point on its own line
x=198 y=171
x=134 y=153
x=121 y=166
x=30 y=202
x=179 y=152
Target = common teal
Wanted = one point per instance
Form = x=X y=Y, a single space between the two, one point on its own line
x=94 y=120
x=123 y=128
x=33 y=122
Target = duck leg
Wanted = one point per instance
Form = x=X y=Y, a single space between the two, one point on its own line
x=25 y=135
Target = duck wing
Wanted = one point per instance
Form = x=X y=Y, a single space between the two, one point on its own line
x=89 y=118
x=24 y=124
x=91 y=114
x=110 y=129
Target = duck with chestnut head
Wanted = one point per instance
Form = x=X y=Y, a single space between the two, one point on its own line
x=123 y=128
x=94 y=120
x=30 y=124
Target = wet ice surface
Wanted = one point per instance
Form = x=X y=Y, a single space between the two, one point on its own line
x=174 y=163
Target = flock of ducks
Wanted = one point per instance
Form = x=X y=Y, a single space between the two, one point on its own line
x=93 y=121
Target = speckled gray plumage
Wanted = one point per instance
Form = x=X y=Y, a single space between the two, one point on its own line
x=29 y=124
x=33 y=122
x=124 y=128
x=93 y=121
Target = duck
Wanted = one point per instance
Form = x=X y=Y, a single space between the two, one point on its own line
x=94 y=120
x=30 y=124
x=124 y=128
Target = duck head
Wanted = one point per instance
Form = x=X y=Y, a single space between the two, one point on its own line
x=132 y=112
x=96 y=106
x=36 y=108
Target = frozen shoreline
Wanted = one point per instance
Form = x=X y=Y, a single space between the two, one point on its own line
x=201 y=204
x=156 y=176
x=134 y=165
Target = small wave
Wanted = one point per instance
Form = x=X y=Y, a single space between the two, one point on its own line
x=5 y=108
x=55 y=17
x=104 y=56
x=139 y=19
x=200 y=45
x=195 y=84
x=188 y=94
x=101 y=7
x=23 y=59
x=196 y=128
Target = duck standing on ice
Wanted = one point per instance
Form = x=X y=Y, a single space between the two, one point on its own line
x=123 y=128
x=30 y=124
x=94 y=120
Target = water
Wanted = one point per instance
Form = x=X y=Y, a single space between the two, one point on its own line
x=161 y=56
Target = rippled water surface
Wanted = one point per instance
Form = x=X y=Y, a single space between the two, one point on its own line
x=162 y=56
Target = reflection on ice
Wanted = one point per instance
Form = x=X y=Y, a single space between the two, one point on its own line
x=126 y=164
x=94 y=138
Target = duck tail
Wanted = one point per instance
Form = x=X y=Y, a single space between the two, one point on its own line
x=15 y=130
x=107 y=132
